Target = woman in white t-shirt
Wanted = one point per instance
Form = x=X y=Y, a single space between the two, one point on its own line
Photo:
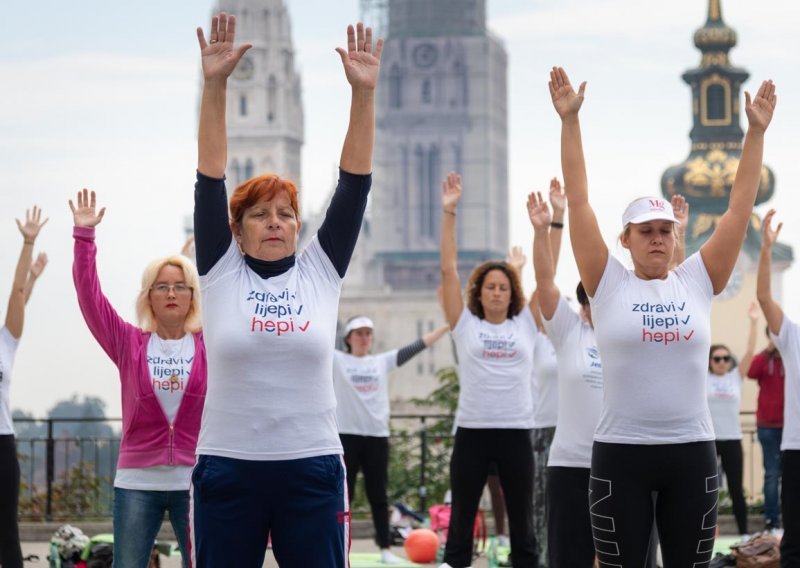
x=162 y=375
x=654 y=440
x=269 y=456
x=25 y=276
x=785 y=332
x=494 y=335
x=361 y=384
x=724 y=402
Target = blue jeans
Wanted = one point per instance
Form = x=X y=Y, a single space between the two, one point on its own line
x=137 y=519
x=770 y=439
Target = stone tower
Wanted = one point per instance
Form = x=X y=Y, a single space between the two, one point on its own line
x=265 y=112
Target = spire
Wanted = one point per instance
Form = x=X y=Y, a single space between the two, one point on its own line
x=715 y=39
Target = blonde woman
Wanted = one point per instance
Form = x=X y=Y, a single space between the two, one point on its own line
x=162 y=372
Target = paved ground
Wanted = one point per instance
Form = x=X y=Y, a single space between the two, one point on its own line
x=358 y=545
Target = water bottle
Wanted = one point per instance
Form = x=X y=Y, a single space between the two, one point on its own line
x=491 y=552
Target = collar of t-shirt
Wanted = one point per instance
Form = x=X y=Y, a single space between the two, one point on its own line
x=269 y=268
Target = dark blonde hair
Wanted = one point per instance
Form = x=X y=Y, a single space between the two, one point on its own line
x=475 y=283
x=144 y=310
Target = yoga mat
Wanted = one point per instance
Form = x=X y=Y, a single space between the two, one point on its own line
x=373 y=560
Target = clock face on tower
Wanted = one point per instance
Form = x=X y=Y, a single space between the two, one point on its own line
x=425 y=55
x=244 y=70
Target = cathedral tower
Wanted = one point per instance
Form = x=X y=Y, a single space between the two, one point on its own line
x=265 y=112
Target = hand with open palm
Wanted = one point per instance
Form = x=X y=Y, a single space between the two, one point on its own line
x=769 y=235
x=760 y=110
x=538 y=211
x=361 y=60
x=219 y=55
x=32 y=225
x=565 y=100
x=451 y=192
x=85 y=214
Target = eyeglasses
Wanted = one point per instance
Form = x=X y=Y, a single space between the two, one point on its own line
x=721 y=358
x=163 y=289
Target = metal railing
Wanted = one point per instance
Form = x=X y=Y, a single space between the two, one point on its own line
x=68 y=464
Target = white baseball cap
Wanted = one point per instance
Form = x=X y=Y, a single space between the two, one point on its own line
x=648 y=209
x=357 y=323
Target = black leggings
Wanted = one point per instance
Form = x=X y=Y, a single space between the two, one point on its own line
x=370 y=453
x=10 y=551
x=473 y=450
x=730 y=453
x=569 y=529
x=684 y=480
x=790 y=504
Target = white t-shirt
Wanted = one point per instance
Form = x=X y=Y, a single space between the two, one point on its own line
x=361 y=385
x=580 y=386
x=270 y=345
x=495 y=362
x=8 y=349
x=724 y=400
x=544 y=383
x=788 y=343
x=654 y=337
x=169 y=362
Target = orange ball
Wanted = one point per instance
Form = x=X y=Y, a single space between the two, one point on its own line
x=421 y=546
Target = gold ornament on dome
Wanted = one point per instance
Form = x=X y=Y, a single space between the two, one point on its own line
x=703 y=223
x=715 y=171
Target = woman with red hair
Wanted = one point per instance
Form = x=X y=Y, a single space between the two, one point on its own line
x=270 y=459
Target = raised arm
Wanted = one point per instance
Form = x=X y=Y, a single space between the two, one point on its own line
x=558 y=201
x=219 y=57
x=34 y=273
x=361 y=67
x=591 y=253
x=721 y=250
x=407 y=352
x=680 y=209
x=452 y=302
x=15 y=314
x=106 y=325
x=750 y=348
x=543 y=264
x=772 y=310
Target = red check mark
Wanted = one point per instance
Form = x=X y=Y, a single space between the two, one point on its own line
x=688 y=337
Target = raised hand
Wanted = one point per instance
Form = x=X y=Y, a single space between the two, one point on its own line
x=557 y=198
x=38 y=265
x=85 y=214
x=361 y=61
x=188 y=248
x=770 y=236
x=451 y=192
x=759 y=110
x=565 y=100
x=538 y=211
x=219 y=55
x=32 y=225
x=516 y=258
x=681 y=210
x=753 y=311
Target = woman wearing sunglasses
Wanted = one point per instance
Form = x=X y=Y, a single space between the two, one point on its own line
x=724 y=399
x=162 y=373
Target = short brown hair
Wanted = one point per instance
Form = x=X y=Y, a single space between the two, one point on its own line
x=475 y=283
x=260 y=187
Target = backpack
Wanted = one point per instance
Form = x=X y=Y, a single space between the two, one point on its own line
x=761 y=551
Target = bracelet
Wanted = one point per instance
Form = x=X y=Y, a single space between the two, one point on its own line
x=27 y=242
x=556 y=225
x=445 y=211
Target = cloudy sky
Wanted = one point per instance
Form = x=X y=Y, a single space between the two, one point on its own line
x=104 y=94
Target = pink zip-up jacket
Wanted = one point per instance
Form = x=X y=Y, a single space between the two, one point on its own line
x=148 y=439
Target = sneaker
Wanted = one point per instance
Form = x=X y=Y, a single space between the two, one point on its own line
x=388 y=558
